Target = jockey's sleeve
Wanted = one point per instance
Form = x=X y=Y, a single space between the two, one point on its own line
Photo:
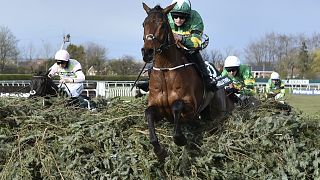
x=193 y=40
x=249 y=81
x=79 y=76
x=52 y=71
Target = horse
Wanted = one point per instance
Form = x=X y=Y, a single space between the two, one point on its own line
x=176 y=90
x=41 y=85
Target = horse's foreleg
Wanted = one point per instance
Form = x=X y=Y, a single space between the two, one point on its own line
x=152 y=114
x=178 y=136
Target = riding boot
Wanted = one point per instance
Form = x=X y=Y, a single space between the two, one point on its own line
x=144 y=85
x=204 y=70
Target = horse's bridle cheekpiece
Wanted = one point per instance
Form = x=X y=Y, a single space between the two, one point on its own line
x=164 y=44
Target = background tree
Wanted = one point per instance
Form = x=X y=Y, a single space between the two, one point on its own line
x=96 y=56
x=8 y=47
x=315 y=65
x=124 y=66
x=78 y=53
x=47 y=53
x=216 y=57
x=303 y=60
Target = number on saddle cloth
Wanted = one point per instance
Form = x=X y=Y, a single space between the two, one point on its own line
x=214 y=74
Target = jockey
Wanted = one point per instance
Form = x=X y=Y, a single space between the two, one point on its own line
x=243 y=81
x=187 y=27
x=275 y=87
x=69 y=70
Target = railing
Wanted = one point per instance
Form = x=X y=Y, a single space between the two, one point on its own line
x=109 y=89
x=292 y=87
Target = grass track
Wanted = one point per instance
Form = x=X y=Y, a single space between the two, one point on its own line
x=309 y=104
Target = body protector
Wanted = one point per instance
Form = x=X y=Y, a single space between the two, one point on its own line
x=191 y=31
x=275 y=90
x=72 y=71
x=243 y=81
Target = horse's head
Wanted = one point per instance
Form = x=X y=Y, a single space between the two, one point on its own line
x=157 y=35
x=42 y=85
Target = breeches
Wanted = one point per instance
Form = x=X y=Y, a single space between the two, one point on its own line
x=73 y=89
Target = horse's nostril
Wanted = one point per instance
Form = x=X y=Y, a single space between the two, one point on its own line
x=149 y=51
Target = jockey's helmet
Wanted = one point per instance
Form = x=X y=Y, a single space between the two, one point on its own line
x=183 y=7
x=232 y=61
x=62 y=55
x=275 y=76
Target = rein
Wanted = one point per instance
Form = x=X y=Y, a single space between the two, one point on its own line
x=33 y=92
x=163 y=45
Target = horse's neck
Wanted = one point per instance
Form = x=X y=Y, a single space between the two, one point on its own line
x=172 y=57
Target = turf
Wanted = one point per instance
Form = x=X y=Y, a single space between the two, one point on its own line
x=308 y=104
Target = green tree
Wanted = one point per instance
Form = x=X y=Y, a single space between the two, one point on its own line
x=8 y=47
x=124 y=66
x=315 y=67
x=303 y=60
x=78 y=53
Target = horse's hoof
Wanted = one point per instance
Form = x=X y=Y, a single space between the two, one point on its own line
x=161 y=153
x=180 y=140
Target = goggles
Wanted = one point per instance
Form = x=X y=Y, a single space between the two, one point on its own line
x=61 y=62
x=180 y=16
x=233 y=69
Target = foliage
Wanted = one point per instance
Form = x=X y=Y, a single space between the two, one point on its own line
x=316 y=62
x=59 y=142
x=96 y=56
x=8 y=47
x=77 y=52
x=114 y=78
x=5 y=77
x=303 y=60
x=287 y=54
x=124 y=66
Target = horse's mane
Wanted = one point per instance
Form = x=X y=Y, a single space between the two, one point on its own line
x=157 y=7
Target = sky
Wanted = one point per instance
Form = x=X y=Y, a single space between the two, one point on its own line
x=117 y=25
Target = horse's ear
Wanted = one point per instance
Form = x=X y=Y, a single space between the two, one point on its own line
x=146 y=8
x=169 y=8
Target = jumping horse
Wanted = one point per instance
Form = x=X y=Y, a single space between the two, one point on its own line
x=176 y=90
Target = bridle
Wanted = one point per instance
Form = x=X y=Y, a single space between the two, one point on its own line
x=44 y=91
x=33 y=92
x=164 y=44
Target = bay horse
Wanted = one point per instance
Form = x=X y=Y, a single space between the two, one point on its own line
x=176 y=90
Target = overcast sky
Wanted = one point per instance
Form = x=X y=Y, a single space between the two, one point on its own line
x=117 y=25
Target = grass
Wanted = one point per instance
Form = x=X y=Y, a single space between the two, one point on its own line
x=308 y=104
